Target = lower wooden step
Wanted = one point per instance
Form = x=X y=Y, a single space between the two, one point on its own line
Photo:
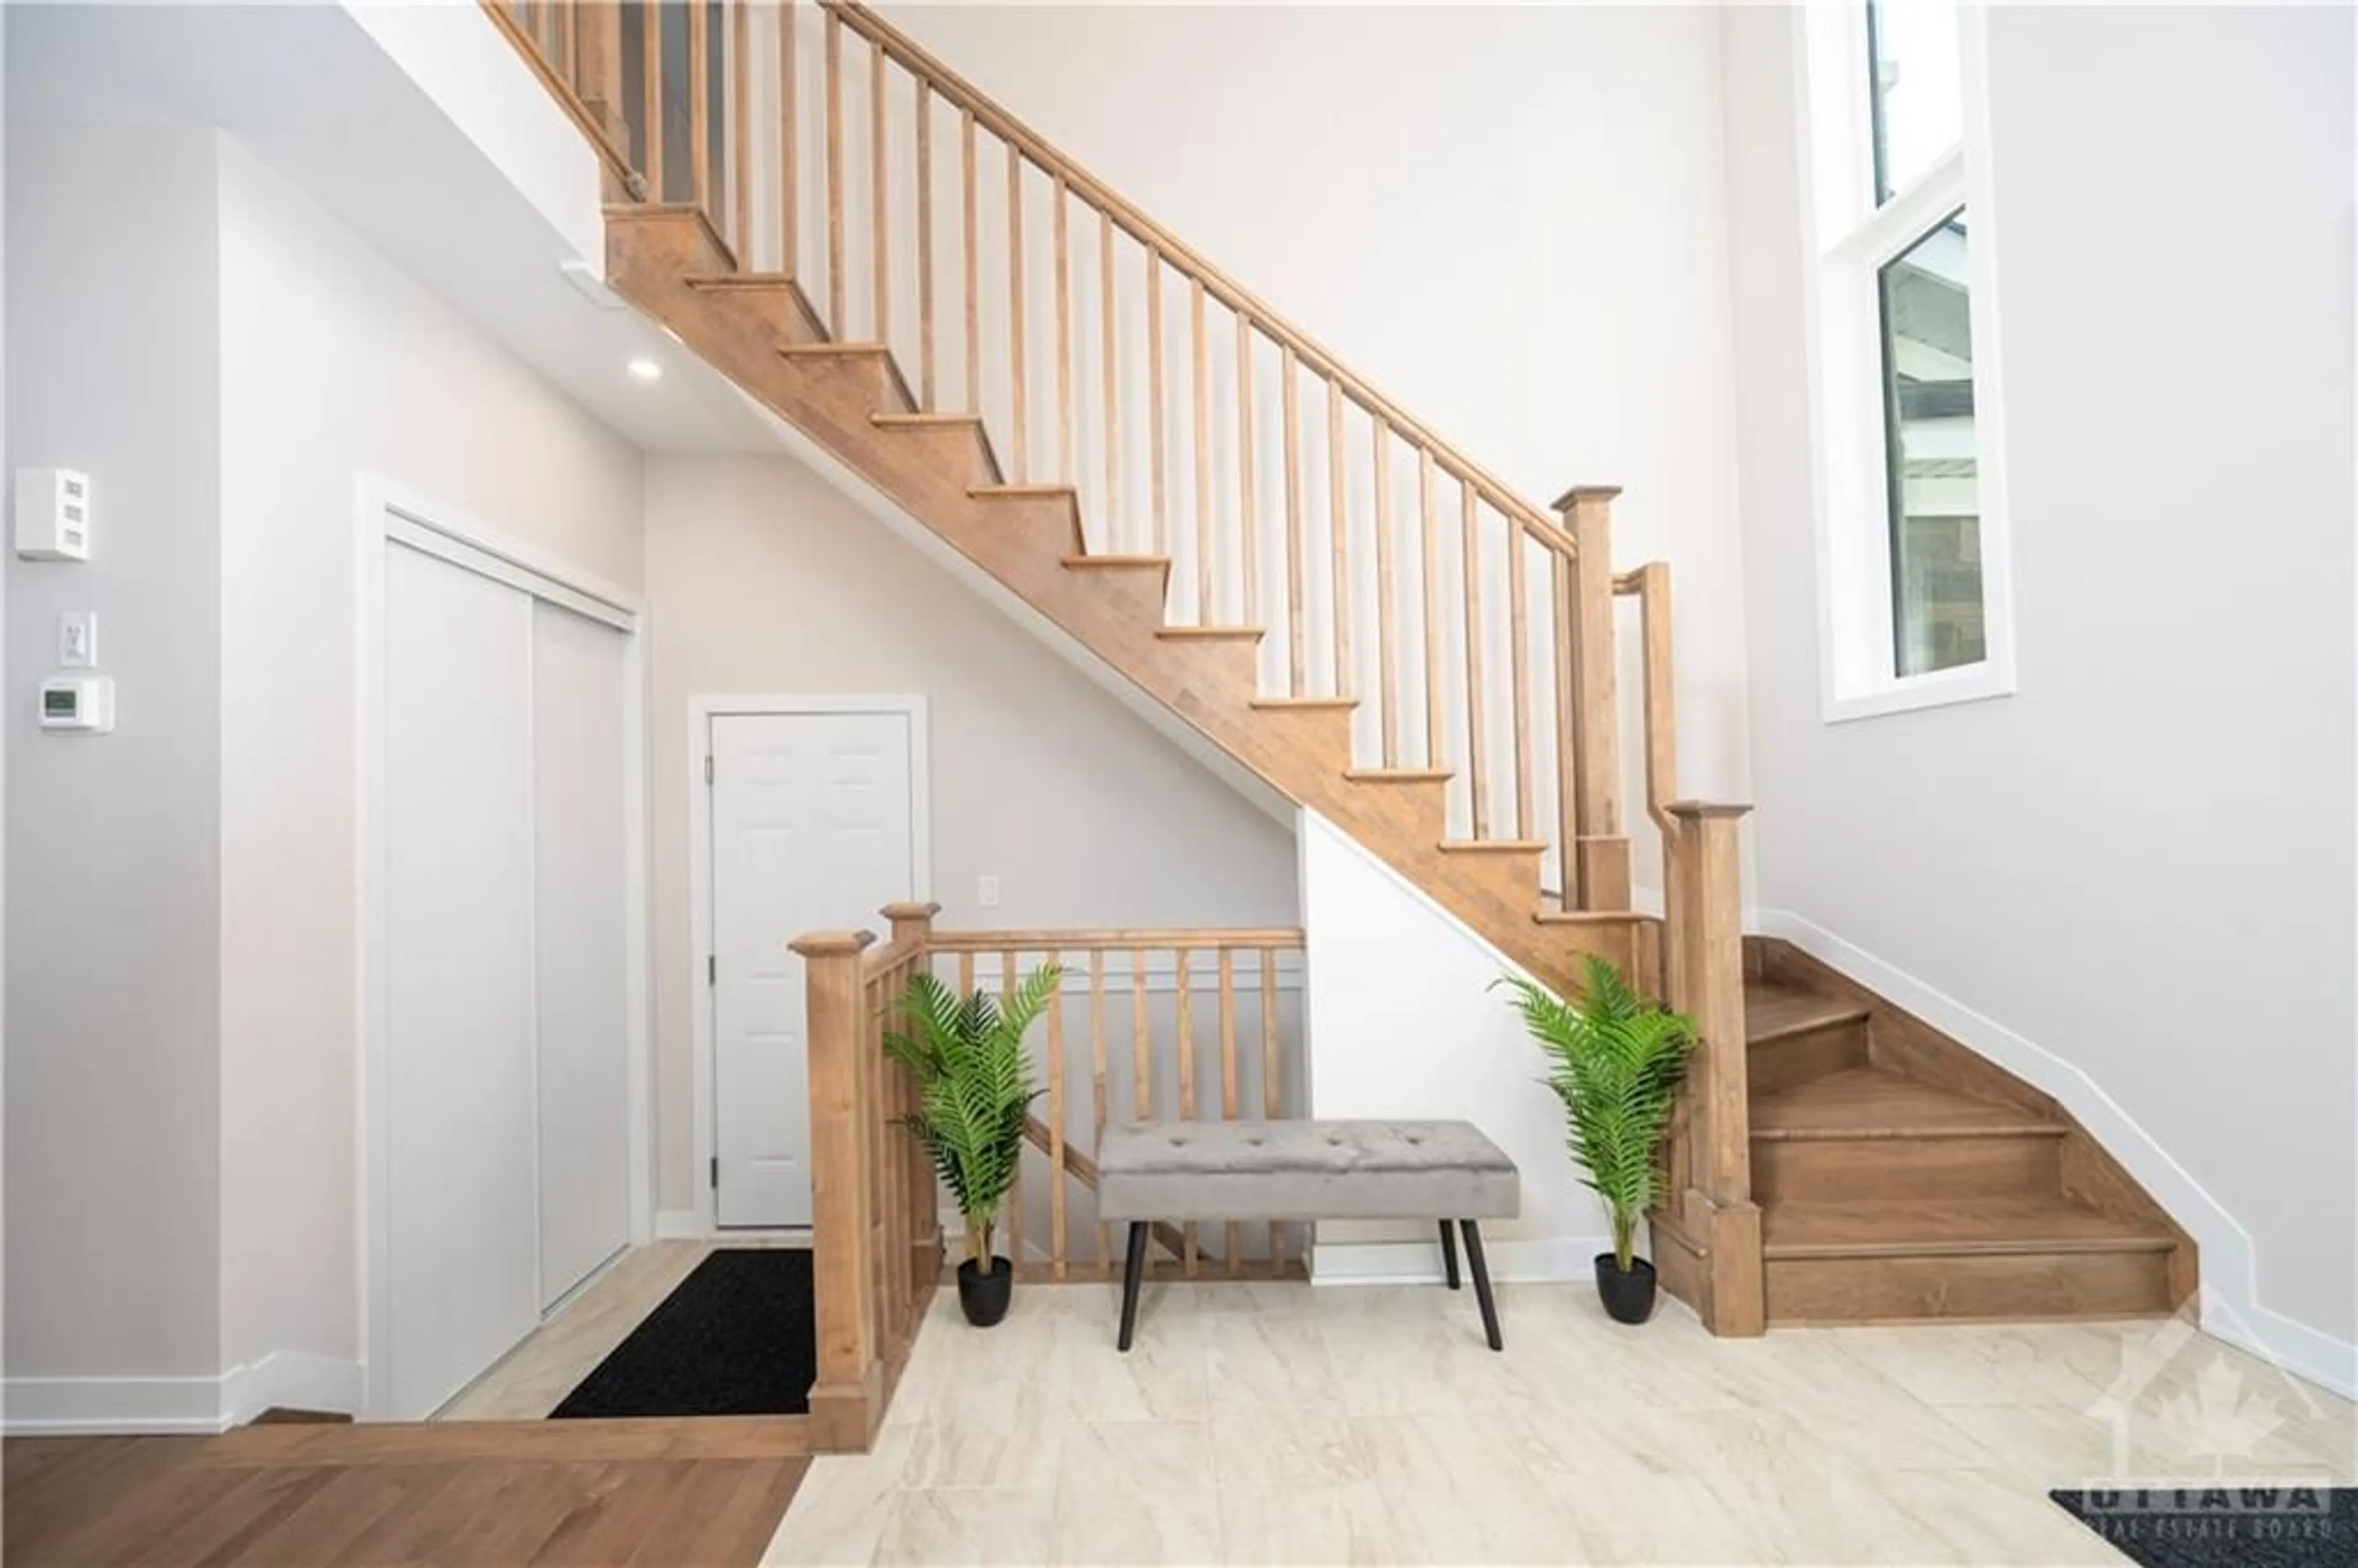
x=1909 y=1261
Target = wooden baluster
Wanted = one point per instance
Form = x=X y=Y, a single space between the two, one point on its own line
x=1567 y=807
x=1662 y=751
x=842 y=1127
x=1471 y=547
x=1248 y=474
x=1098 y=1092
x=925 y=397
x=1108 y=328
x=1015 y=306
x=880 y=197
x=1155 y=392
x=651 y=94
x=966 y=976
x=1234 y=1244
x=838 y=319
x=913 y=924
x=1141 y=1063
x=699 y=109
x=1015 y=1188
x=1337 y=535
x=1273 y=1083
x=741 y=120
x=1388 y=661
x=1436 y=723
x=1181 y=1006
x=973 y=264
x=598 y=65
x=1064 y=336
x=790 y=254
x=1289 y=408
x=1602 y=846
x=1519 y=619
x=1198 y=386
x=1056 y=1128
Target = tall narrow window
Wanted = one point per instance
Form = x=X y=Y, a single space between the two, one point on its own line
x=1911 y=536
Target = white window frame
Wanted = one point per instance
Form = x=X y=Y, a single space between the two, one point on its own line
x=1849 y=239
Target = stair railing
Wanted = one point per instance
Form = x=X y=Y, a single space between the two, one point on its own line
x=1475 y=634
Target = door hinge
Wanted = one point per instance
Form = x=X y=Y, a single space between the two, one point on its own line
x=712 y=969
x=707 y=770
x=716 y=1173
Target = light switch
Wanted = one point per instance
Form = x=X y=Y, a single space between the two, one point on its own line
x=77 y=640
x=986 y=891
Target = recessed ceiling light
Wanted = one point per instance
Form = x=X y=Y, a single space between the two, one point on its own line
x=645 y=369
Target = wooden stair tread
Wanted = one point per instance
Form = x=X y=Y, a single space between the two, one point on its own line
x=923 y=420
x=1122 y=563
x=1399 y=775
x=1772 y=1011
x=1308 y=704
x=823 y=351
x=1900 y=1228
x=1493 y=845
x=1868 y=1102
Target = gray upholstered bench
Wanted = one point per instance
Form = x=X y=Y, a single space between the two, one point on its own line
x=1443 y=1171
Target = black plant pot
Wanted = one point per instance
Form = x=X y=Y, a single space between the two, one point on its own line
x=984 y=1297
x=1628 y=1298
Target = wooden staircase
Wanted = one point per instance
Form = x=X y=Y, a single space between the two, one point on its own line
x=1121 y=434
x=1903 y=1179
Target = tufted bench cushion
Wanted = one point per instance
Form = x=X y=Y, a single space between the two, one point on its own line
x=1305 y=1170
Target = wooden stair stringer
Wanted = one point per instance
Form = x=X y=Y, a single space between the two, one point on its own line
x=1022 y=539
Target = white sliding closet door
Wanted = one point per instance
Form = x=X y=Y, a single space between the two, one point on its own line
x=460 y=1114
x=579 y=822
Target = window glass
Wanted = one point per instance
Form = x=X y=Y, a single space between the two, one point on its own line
x=1932 y=455
x=1918 y=93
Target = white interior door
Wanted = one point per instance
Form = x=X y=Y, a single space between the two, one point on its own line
x=581 y=943
x=812 y=830
x=459 y=1117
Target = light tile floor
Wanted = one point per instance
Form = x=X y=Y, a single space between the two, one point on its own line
x=1258 y=1423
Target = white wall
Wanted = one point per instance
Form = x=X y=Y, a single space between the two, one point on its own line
x=112 y=981
x=2140 y=863
x=334 y=362
x=761 y=579
x=1511 y=219
x=1446 y=1045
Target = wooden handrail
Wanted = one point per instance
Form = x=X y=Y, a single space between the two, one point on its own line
x=1161 y=241
x=1281 y=937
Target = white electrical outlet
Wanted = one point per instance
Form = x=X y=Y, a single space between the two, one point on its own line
x=986 y=891
x=77 y=640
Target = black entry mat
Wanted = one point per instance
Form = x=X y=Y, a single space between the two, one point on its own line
x=2225 y=1526
x=736 y=1337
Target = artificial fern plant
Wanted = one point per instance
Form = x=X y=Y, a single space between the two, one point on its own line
x=1616 y=1060
x=974 y=1089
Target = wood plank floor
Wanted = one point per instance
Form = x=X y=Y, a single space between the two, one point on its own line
x=166 y=1502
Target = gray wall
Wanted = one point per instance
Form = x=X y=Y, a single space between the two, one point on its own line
x=2142 y=861
x=112 y=841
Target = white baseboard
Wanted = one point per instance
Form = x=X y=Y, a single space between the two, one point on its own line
x=67 y=1407
x=679 y=1225
x=287 y=1379
x=1537 y=1260
x=2231 y=1307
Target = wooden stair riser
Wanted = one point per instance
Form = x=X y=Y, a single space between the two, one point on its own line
x=1794 y=1059
x=1980 y=1287
x=1302 y=753
x=1907 y=1167
x=960 y=452
x=778 y=308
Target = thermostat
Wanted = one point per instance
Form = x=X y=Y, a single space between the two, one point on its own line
x=78 y=704
x=52 y=514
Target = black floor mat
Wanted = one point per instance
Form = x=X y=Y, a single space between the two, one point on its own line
x=2226 y=1526
x=735 y=1338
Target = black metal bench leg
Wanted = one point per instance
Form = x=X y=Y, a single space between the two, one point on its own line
x=1133 y=1274
x=1449 y=1254
x=1482 y=1282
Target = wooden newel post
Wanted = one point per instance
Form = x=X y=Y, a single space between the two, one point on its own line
x=848 y=1396
x=1716 y=1208
x=1600 y=844
x=915 y=923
